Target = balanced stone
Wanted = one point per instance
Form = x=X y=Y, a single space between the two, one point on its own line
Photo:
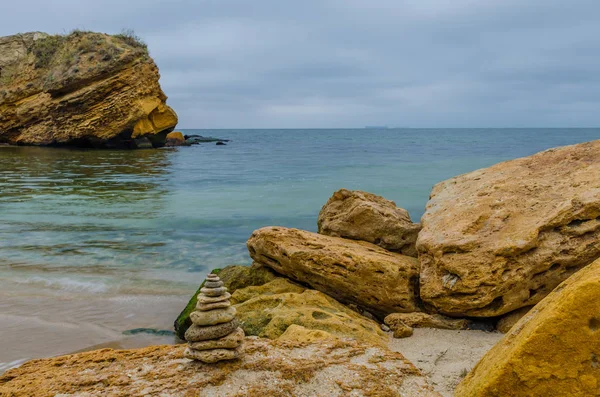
x=203 y=307
x=215 y=334
x=213 y=317
x=212 y=356
x=213 y=299
x=198 y=333
x=230 y=341
x=213 y=291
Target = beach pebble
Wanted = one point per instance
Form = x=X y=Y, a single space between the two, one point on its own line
x=213 y=291
x=197 y=333
x=213 y=299
x=213 y=317
x=204 y=307
x=212 y=356
x=230 y=341
x=213 y=284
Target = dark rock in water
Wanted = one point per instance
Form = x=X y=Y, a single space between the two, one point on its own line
x=175 y=138
x=192 y=141
x=203 y=139
x=220 y=143
x=143 y=143
x=151 y=331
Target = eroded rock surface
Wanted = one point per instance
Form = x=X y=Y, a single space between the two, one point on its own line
x=86 y=89
x=353 y=272
x=424 y=320
x=364 y=216
x=269 y=368
x=552 y=351
x=503 y=237
x=270 y=309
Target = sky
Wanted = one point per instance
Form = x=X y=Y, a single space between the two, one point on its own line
x=351 y=63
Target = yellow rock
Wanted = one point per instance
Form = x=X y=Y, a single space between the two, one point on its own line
x=299 y=334
x=353 y=272
x=78 y=88
x=424 y=320
x=553 y=351
x=364 y=216
x=175 y=138
x=279 y=285
x=501 y=238
x=510 y=319
x=270 y=315
x=268 y=368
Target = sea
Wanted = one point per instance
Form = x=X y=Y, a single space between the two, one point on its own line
x=97 y=242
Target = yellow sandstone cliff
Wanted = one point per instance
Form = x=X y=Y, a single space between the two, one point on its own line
x=86 y=89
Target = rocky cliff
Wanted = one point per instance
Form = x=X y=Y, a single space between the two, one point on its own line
x=84 y=89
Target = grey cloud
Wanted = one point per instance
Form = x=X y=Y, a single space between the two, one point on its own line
x=340 y=63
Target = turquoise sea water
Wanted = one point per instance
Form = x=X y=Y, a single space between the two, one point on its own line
x=153 y=221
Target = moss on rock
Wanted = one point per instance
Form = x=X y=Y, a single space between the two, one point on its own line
x=234 y=277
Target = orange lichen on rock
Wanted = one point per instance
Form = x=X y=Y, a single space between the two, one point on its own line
x=330 y=367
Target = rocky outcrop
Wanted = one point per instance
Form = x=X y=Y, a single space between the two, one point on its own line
x=270 y=309
x=269 y=368
x=501 y=238
x=85 y=89
x=423 y=320
x=367 y=217
x=233 y=277
x=352 y=272
x=553 y=351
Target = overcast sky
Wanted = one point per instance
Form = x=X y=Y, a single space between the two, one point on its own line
x=351 y=63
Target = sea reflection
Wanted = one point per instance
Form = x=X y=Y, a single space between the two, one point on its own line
x=84 y=209
x=27 y=172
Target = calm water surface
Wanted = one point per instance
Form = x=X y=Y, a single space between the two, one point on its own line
x=151 y=221
x=93 y=243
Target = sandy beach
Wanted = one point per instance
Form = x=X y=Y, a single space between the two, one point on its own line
x=38 y=323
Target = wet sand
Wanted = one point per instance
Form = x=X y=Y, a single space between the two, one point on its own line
x=44 y=323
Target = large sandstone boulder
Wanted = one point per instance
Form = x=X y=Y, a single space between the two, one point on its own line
x=553 y=351
x=270 y=309
x=365 y=216
x=503 y=237
x=269 y=368
x=356 y=272
x=87 y=89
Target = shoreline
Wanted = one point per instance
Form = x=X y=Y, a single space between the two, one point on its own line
x=63 y=324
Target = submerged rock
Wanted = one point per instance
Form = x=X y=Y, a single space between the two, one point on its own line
x=354 y=272
x=83 y=89
x=367 y=217
x=268 y=368
x=552 y=351
x=503 y=237
x=175 y=138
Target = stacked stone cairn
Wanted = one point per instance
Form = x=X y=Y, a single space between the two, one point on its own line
x=215 y=334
